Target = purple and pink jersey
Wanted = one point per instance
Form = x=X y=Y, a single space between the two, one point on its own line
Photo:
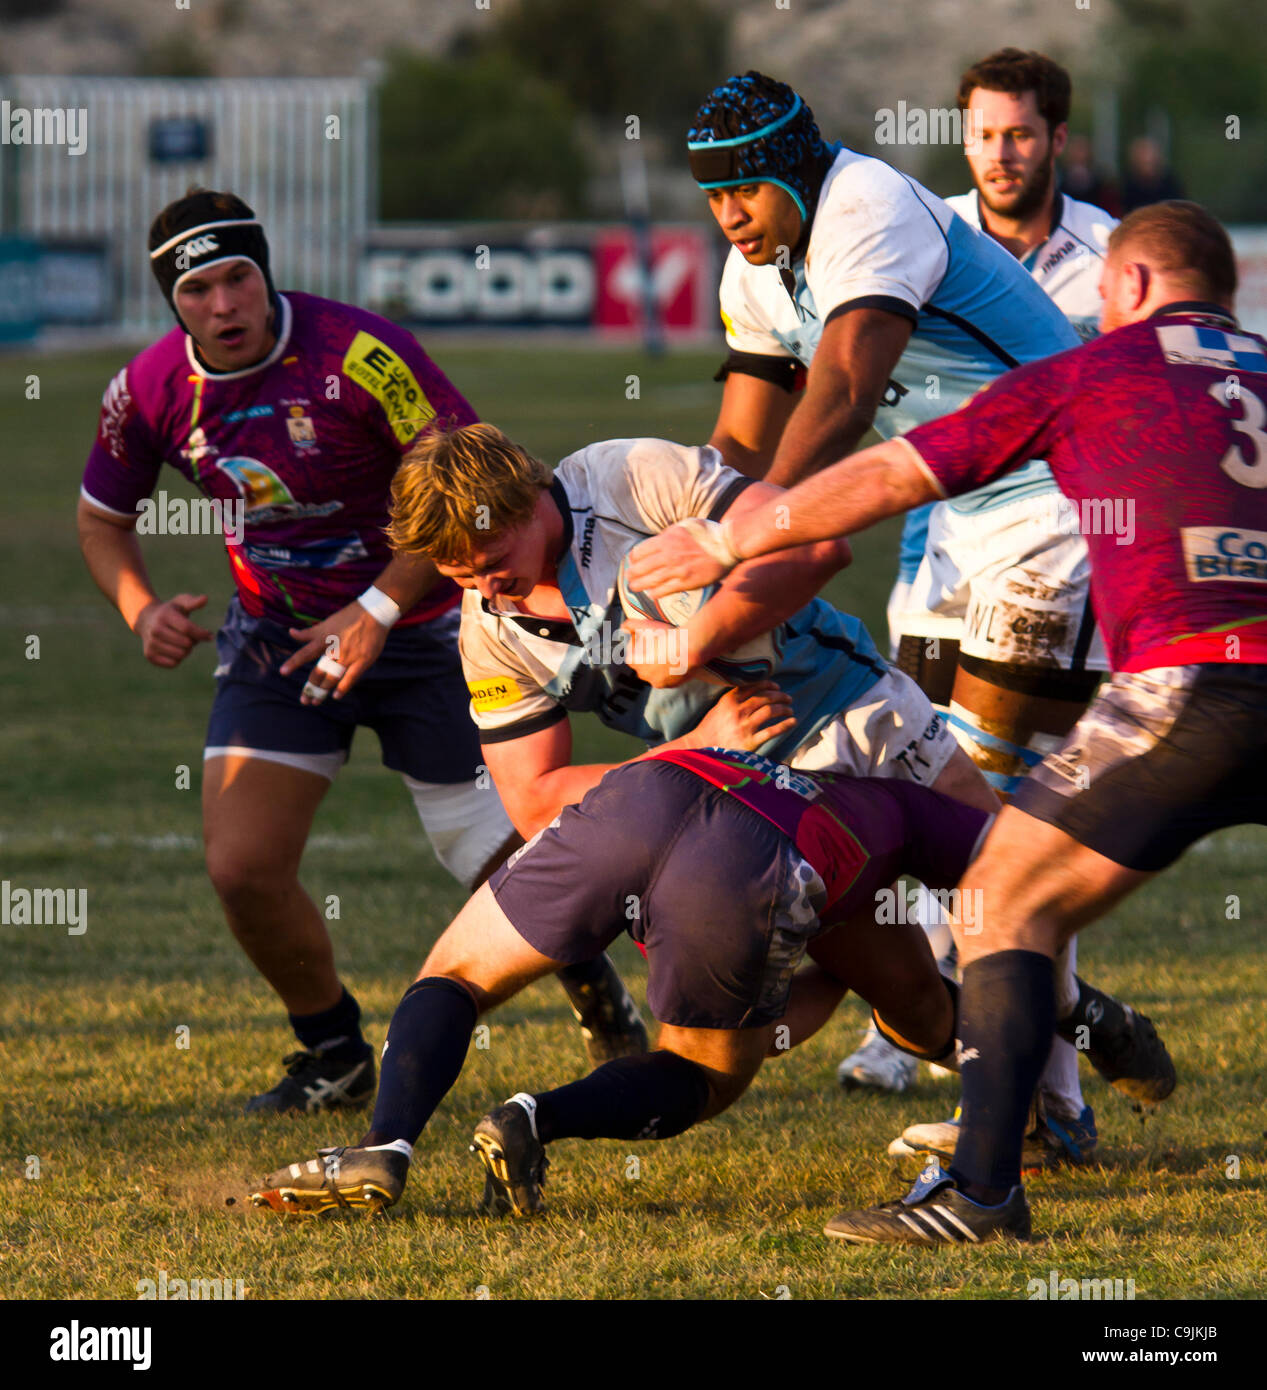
x=1157 y=435
x=860 y=833
x=302 y=447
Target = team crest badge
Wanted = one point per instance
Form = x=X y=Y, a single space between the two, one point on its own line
x=303 y=433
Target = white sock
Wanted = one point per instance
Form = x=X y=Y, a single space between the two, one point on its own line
x=400 y=1146
x=528 y=1103
x=1059 y=1085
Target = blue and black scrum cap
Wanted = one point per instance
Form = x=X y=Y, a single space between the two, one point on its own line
x=753 y=129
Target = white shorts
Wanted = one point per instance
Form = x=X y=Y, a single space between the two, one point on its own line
x=1007 y=585
x=892 y=731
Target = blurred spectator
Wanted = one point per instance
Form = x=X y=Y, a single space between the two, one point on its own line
x=1149 y=179
x=1080 y=179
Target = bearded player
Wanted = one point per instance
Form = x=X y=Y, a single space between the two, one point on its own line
x=293 y=412
x=1016 y=105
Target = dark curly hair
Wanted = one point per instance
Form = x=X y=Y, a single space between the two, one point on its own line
x=1011 y=70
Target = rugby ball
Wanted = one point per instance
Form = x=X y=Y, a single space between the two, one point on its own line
x=752 y=661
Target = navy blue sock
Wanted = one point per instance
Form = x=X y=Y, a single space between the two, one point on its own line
x=1007 y=1012
x=427 y=1042
x=335 y=1032
x=654 y=1096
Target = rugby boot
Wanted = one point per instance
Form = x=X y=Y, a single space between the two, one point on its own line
x=347 y=1179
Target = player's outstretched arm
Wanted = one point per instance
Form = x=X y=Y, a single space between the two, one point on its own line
x=853 y=494
x=113 y=556
x=761 y=593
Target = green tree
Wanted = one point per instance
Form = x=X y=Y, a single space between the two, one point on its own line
x=1202 y=64
x=475 y=137
x=655 y=59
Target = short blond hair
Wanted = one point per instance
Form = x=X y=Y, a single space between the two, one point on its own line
x=456 y=489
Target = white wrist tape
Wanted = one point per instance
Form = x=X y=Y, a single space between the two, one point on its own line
x=379 y=606
x=711 y=536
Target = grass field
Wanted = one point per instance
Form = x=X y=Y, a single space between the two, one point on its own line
x=139 y=1141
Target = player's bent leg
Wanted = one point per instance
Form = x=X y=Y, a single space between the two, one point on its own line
x=478 y=962
x=1038 y=886
x=812 y=999
x=483 y=952
x=472 y=836
x=1010 y=717
x=890 y=965
x=729 y=1058
x=893 y=731
x=257 y=813
x=694 y=1074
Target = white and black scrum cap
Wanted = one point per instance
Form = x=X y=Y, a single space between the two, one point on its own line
x=201 y=230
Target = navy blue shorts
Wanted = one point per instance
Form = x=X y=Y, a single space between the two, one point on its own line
x=414 y=697
x=720 y=898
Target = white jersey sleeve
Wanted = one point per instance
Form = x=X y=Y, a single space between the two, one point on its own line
x=747 y=325
x=506 y=684
x=645 y=485
x=876 y=242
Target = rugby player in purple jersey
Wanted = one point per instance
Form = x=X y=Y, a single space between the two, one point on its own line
x=728 y=869
x=291 y=413
x=1155 y=434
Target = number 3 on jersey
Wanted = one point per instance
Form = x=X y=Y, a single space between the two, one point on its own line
x=1253 y=473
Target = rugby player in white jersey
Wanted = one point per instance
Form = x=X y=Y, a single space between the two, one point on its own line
x=853 y=296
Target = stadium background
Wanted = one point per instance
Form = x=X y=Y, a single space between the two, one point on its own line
x=136 y=1137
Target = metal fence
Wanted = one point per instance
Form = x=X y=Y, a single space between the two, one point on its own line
x=300 y=151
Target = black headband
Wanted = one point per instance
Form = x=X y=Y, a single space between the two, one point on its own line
x=205 y=245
